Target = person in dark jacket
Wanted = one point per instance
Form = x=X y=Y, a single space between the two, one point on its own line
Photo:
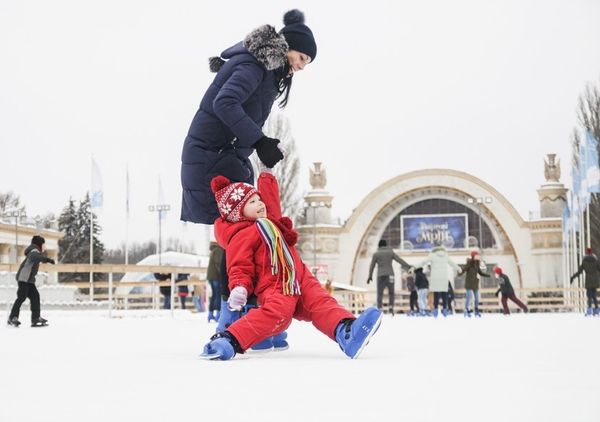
x=422 y=285
x=451 y=297
x=507 y=292
x=226 y=129
x=383 y=258
x=412 y=288
x=591 y=266
x=472 y=269
x=26 y=279
x=214 y=278
x=164 y=290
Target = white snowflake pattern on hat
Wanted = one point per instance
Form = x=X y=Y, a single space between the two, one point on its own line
x=237 y=194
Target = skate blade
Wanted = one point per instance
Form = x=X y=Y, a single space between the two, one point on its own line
x=373 y=331
x=210 y=356
x=39 y=325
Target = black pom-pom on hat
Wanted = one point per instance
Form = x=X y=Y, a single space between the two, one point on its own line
x=293 y=16
x=298 y=35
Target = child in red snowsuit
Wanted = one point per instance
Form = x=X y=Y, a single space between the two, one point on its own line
x=262 y=259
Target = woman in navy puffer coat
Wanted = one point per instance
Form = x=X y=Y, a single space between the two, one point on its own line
x=227 y=127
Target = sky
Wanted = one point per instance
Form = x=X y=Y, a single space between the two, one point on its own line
x=487 y=88
x=144 y=366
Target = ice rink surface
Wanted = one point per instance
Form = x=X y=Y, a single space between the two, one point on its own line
x=144 y=366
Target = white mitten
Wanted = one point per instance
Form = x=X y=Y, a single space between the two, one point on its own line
x=237 y=298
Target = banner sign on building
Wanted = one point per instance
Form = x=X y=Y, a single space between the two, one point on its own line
x=422 y=232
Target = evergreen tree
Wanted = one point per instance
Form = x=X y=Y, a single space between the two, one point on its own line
x=74 y=247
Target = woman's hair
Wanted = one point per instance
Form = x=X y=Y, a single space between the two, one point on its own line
x=283 y=80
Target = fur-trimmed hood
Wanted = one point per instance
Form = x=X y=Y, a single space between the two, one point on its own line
x=264 y=43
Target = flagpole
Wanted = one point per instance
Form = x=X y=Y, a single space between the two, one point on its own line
x=91 y=232
x=127 y=219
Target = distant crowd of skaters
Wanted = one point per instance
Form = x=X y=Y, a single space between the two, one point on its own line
x=420 y=285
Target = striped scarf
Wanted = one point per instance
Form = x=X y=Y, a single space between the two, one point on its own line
x=281 y=257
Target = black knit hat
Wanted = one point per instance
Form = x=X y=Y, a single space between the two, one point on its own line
x=299 y=36
x=38 y=241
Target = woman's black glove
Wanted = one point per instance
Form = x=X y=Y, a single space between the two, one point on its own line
x=268 y=152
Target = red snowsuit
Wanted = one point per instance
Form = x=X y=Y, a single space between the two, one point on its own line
x=249 y=265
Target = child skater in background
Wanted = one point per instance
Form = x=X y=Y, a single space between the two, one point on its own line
x=262 y=259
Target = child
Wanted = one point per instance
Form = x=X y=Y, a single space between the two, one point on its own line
x=26 y=278
x=412 y=288
x=507 y=291
x=262 y=259
x=422 y=285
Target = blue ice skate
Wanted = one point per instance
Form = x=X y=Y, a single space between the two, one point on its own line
x=596 y=311
x=467 y=313
x=280 y=342
x=220 y=347
x=226 y=317
x=446 y=312
x=589 y=312
x=477 y=313
x=354 y=335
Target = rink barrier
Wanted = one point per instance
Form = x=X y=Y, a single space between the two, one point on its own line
x=104 y=293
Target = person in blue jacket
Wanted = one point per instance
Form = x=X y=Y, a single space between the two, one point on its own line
x=226 y=129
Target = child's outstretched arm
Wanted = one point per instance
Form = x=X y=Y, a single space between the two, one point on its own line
x=269 y=193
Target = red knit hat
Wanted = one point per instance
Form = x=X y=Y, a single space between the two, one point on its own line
x=473 y=253
x=231 y=197
x=588 y=251
x=498 y=270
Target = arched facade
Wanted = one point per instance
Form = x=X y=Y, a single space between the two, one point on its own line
x=508 y=240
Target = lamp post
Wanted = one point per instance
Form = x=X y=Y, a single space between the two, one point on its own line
x=160 y=208
x=16 y=214
x=480 y=200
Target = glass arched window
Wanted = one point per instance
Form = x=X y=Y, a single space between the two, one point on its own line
x=440 y=206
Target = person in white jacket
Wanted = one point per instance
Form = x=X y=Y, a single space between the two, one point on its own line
x=440 y=263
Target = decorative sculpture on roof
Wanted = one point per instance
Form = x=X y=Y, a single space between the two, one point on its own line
x=318 y=177
x=552 y=168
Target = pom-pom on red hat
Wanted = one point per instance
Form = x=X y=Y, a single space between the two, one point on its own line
x=231 y=197
x=473 y=253
x=588 y=251
x=498 y=270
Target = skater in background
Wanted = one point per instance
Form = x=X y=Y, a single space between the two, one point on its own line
x=183 y=290
x=451 y=297
x=472 y=269
x=412 y=288
x=506 y=288
x=226 y=129
x=422 y=285
x=215 y=277
x=262 y=259
x=591 y=266
x=383 y=258
x=439 y=262
x=164 y=290
x=26 y=279
x=198 y=293
x=329 y=286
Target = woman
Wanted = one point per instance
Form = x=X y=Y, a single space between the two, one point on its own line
x=226 y=129
x=472 y=269
x=439 y=261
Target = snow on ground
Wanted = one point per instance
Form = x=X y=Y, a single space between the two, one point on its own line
x=144 y=366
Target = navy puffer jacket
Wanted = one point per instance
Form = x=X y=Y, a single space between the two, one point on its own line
x=229 y=120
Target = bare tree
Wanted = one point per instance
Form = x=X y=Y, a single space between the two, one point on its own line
x=287 y=170
x=588 y=115
x=9 y=202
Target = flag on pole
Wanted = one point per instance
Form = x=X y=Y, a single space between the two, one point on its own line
x=592 y=172
x=584 y=195
x=574 y=197
x=97 y=195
